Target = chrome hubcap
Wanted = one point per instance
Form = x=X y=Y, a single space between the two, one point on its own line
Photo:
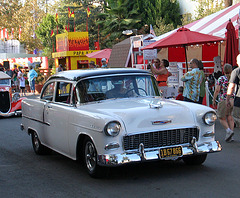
x=35 y=140
x=90 y=156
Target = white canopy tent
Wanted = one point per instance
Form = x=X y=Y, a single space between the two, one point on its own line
x=214 y=24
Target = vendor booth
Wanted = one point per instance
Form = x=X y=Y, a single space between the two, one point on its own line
x=71 y=50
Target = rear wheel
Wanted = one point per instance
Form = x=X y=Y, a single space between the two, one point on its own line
x=90 y=160
x=195 y=160
x=38 y=148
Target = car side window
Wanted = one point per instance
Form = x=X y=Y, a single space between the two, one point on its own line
x=63 y=93
x=48 y=92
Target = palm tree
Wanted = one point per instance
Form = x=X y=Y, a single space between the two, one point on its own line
x=118 y=16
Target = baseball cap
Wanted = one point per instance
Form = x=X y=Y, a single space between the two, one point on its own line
x=104 y=59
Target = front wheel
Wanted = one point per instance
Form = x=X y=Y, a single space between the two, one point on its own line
x=90 y=159
x=38 y=148
x=195 y=160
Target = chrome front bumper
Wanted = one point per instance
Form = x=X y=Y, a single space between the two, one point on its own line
x=13 y=113
x=153 y=154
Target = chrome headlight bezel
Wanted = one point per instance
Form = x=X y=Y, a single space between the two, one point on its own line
x=112 y=128
x=15 y=97
x=209 y=118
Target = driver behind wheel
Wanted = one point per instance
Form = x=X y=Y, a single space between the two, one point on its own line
x=118 y=91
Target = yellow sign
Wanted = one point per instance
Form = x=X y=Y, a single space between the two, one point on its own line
x=72 y=41
x=72 y=53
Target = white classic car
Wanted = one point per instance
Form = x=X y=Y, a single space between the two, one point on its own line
x=110 y=117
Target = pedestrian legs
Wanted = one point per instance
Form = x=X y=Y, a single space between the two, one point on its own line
x=236 y=115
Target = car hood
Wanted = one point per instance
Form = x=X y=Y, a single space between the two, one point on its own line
x=148 y=114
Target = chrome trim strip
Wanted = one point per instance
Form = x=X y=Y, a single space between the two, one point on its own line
x=153 y=154
x=33 y=119
x=161 y=122
x=209 y=134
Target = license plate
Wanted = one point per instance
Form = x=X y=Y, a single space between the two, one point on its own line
x=168 y=152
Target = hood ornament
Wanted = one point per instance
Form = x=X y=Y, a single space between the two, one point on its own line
x=155 y=105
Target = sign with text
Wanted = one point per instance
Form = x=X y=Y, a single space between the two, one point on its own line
x=173 y=68
x=149 y=54
x=72 y=41
x=72 y=53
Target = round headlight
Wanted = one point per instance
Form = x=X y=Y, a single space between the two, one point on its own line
x=210 y=118
x=15 y=97
x=112 y=128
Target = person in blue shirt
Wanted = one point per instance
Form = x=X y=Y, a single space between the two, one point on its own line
x=32 y=75
x=192 y=81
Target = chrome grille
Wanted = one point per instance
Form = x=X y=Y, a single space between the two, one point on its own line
x=160 y=138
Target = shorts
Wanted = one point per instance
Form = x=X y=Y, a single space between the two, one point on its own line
x=15 y=82
x=223 y=110
x=236 y=115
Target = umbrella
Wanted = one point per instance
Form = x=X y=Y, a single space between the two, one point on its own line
x=231 y=49
x=105 y=53
x=182 y=38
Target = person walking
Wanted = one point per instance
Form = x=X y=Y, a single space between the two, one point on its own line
x=224 y=112
x=162 y=74
x=32 y=75
x=202 y=85
x=234 y=87
x=192 y=80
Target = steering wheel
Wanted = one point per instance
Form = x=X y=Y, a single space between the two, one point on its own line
x=126 y=94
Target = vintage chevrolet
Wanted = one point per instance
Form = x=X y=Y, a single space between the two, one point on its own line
x=110 y=117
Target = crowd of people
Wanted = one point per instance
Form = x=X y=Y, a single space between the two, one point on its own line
x=226 y=97
x=18 y=79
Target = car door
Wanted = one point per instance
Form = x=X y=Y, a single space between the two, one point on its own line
x=47 y=99
x=56 y=115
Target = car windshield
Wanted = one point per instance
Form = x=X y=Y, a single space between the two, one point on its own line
x=102 y=88
x=5 y=82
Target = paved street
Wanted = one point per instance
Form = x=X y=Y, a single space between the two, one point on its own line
x=24 y=174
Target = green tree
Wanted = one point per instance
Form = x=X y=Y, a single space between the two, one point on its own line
x=14 y=14
x=118 y=16
x=44 y=33
x=28 y=17
x=161 y=28
x=207 y=7
x=8 y=13
x=168 y=11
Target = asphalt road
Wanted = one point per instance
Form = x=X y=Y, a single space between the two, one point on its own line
x=26 y=175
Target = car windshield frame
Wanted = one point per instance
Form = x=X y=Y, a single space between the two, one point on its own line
x=98 y=88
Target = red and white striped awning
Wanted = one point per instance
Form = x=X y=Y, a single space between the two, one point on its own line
x=214 y=24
